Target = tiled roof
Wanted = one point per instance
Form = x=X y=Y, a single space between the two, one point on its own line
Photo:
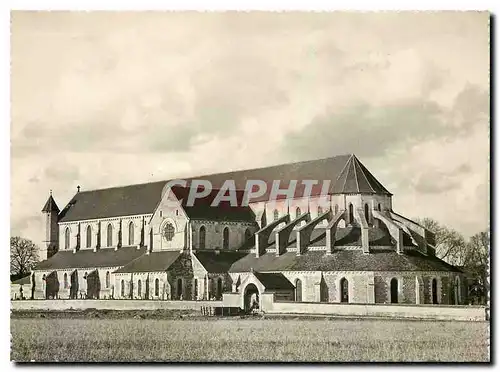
x=143 y=198
x=220 y=262
x=274 y=281
x=155 y=261
x=22 y=281
x=342 y=260
x=50 y=205
x=87 y=258
x=113 y=202
x=355 y=178
x=202 y=209
x=348 y=236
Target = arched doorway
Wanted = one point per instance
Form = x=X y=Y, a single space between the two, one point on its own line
x=344 y=290
x=367 y=213
x=298 y=290
x=251 y=298
x=394 y=291
x=351 y=214
x=434 y=291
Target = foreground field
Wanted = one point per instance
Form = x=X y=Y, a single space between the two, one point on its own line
x=212 y=340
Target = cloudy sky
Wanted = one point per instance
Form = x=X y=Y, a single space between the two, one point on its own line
x=105 y=99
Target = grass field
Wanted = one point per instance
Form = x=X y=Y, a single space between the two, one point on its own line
x=197 y=339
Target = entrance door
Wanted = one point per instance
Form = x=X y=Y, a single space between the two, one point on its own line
x=394 y=291
x=251 y=298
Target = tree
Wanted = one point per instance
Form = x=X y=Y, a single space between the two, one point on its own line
x=23 y=256
x=450 y=244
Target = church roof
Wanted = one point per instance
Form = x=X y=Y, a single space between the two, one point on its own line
x=113 y=202
x=202 y=209
x=87 y=258
x=50 y=205
x=274 y=281
x=342 y=260
x=218 y=262
x=355 y=178
x=153 y=262
x=345 y=173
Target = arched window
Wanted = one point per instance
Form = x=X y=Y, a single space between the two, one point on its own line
x=122 y=288
x=276 y=214
x=367 y=213
x=298 y=290
x=157 y=287
x=320 y=211
x=109 y=235
x=168 y=231
x=66 y=238
x=139 y=288
x=131 y=233
x=225 y=238
x=89 y=237
x=434 y=291
x=107 y=279
x=379 y=207
x=297 y=212
x=179 y=288
x=394 y=291
x=195 y=290
x=336 y=209
x=344 y=290
x=248 y=234
x=202 y=237
x=351 y=213
x=219 y=288
x=65 y=280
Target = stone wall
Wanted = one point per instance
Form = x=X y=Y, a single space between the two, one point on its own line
x=110 y=305
x=438 y=312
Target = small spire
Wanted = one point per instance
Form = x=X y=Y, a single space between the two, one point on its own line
x=78 y=188
x=50 y=192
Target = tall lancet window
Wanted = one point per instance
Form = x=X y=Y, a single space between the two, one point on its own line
x=89 y=237
x=202 y=237
x=131 y=233
x=109 y=236
x=66 y=238
x=225 y=238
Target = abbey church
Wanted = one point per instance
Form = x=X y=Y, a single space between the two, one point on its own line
x=146 y=242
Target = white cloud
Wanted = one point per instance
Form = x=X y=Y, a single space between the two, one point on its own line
x=103 y=99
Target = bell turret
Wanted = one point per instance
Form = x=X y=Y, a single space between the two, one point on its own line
x=51 y=212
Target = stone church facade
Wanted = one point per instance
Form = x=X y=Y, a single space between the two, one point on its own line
x=146 y=242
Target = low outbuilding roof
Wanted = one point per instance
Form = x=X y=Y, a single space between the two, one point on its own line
x=87 y=258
